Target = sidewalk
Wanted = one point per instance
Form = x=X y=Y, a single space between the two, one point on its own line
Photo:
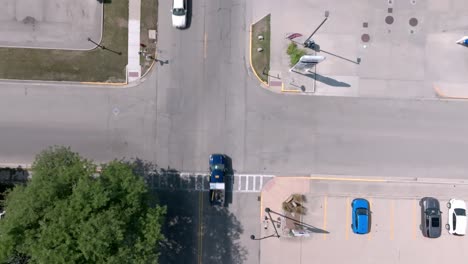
x=133 y=66
x=394 y=235
x=381 y=50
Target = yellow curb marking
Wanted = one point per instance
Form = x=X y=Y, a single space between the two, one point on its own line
x=441 y=94
x=348 y=212
x=392 y=219
x=414 y=219
x=250 y=57
x=325 y=203
x=287 y=90
x=346 y=179
x=200 y=227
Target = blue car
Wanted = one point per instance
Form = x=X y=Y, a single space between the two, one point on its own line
x=360 y=216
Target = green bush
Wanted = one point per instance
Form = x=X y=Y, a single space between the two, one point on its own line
x=294 y=53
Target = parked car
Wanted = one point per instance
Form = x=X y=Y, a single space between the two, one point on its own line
x=456 y=217
x=179 y=13
x=360 y=216
x=431 y=217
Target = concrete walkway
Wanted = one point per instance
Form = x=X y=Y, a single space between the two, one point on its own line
x=133 y=66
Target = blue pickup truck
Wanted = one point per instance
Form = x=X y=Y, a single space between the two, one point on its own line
x=217 y=179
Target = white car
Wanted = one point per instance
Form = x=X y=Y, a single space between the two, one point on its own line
x=456 y=217
x=179 y=13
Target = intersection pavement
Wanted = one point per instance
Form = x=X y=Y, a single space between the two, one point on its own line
x=200 y=103
x=206 y=100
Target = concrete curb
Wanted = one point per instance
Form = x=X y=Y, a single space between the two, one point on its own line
x=440 y=94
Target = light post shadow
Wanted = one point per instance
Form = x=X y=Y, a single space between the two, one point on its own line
x=358 y=60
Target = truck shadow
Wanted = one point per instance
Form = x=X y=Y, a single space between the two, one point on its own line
x=229 y=181
x=194 y=231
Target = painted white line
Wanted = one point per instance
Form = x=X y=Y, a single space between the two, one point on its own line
x=261 y=183
x=246 y=183
x=239 y=185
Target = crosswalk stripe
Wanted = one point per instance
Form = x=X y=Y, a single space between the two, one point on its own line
x=250 y=183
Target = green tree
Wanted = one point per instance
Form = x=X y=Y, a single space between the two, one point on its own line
x=68 y=214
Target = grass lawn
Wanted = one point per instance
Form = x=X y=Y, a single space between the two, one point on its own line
x=149 y=20
x=97 y=65
x=261 y=60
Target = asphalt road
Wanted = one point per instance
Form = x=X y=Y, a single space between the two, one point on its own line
x=205 y=100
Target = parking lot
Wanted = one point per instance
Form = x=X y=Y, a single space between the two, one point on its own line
x=388 y=48
x=395 y=235
x=50 y=24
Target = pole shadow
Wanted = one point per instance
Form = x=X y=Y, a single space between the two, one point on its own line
x=324 y=79
x=358 y=60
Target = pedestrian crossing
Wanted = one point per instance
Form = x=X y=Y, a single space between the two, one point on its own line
x=192 y=181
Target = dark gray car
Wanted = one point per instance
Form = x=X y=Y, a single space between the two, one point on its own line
x=431 y=218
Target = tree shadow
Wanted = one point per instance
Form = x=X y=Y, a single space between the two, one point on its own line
x=14 y=175
x=105 y=1
x=194 y=231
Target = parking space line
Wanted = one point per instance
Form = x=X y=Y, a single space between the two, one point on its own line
x=392 y=219
x=347 y=218
x=414 y=219
x=325 y=204
x=369 y=235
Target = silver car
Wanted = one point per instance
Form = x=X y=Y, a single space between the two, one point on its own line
x=431 y=217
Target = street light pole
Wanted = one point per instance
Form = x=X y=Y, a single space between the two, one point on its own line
x=267 y=210
x=309 y=43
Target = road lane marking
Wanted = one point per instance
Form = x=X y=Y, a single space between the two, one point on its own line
x=347 y=218
x=261 y=183
x=239 y=185
x=247 y=182
x=325 y=204
x=414 y=219
x=200 y=227
x=392 y=219
x=205 y=44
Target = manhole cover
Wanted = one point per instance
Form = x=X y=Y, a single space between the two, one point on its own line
x=115 y=111
x=389 y=20
x=413 y=22
x=365 y=37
